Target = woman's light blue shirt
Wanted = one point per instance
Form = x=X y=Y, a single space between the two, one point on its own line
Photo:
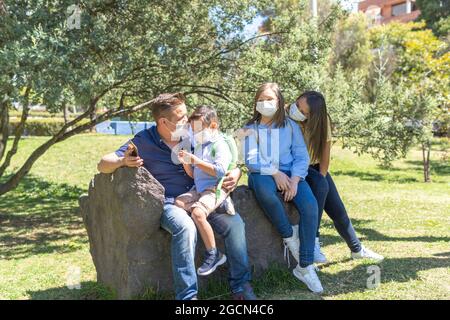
x=268 y=149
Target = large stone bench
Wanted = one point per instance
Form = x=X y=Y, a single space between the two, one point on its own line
x=131 y=252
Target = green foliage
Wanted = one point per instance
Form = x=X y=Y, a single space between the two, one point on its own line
x=351 y=44
x=294 y=53
x=436 y=13
x=40 y=127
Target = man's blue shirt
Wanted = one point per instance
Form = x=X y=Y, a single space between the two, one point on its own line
x=158 y=160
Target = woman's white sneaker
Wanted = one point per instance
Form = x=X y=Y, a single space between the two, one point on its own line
x=292 y=245
x=319 y=257
x=309 y=277
x=365 y=253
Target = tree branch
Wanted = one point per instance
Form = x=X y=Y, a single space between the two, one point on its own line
x=18 y=132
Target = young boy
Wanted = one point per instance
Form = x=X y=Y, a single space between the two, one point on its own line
x=209 y=163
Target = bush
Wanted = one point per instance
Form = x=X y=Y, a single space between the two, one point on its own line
x=40 y=114
x=40 y=127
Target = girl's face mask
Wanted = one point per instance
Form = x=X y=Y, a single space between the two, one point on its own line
x=296 y=114
x=267 y=108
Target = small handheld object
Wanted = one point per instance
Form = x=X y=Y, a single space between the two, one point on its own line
x=133 y=149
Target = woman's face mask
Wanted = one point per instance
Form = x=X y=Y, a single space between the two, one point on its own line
x=267 y=108
x=296 y=114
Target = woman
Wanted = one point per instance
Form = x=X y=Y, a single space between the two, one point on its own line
x=277 y=159
x=310 y=111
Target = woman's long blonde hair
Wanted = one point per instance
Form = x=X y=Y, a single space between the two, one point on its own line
x=316 y=127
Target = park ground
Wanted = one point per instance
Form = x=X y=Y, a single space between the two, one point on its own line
x=42 y=235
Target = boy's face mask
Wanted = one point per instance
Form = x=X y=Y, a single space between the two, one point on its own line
x=204 y=136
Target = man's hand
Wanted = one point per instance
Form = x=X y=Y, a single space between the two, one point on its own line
x=111 y=162
x=242 y=133
x=129 y=161
x=231 y=179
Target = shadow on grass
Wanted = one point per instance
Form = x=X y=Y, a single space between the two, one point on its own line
x=373 y=235
x=391 y=270
x=368 y=176
x=437 y=167
x=40 y=217
x=89 y=290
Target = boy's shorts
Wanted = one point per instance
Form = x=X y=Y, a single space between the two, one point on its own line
x=207 y=200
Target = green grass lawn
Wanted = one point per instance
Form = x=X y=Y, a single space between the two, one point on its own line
x=393 y=211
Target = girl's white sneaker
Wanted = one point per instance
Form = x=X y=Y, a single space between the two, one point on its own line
x=365 y=253
x=309 y=277
x=319 y=257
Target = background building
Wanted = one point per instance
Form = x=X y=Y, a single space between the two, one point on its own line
x=385 y=11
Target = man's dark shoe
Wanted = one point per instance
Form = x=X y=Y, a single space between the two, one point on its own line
x=213 y=259
x=246 y=294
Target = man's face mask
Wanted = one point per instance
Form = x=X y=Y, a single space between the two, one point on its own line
x=181 y=131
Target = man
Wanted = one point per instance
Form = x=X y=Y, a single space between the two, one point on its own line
x=157 y=148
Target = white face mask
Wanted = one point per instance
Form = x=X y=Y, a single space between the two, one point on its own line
x=204 y=136
x=181 y=132
x=296 y=114
x=267 y=108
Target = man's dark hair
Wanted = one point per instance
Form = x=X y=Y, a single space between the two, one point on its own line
x=206 y=113
x=166 y=102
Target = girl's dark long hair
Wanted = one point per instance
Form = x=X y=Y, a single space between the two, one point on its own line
x=316 y=126
x=279 y=119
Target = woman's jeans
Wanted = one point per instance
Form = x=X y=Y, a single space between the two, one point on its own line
x=328 y=198
x=267 y=196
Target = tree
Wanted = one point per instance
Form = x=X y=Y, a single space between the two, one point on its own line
x=123 y=53
x=408 y=91
x=295 y=55
x=436 y=13
x=351 y=44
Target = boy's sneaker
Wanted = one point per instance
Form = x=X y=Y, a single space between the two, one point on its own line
x=309 y=277
x=365 y=253
x=319 y=257
x=213 y=259
x=229 y=207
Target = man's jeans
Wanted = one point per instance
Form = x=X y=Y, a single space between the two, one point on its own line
x=328 y=198
x=265 y=191
x=184 y=238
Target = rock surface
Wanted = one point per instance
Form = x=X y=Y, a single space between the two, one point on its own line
x=131 y=252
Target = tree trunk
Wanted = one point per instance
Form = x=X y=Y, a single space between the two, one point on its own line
x=62 y=135
x=65 y=111
x=426 y=150
x=92 y=118
x=4 y=130
x=18 y=132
